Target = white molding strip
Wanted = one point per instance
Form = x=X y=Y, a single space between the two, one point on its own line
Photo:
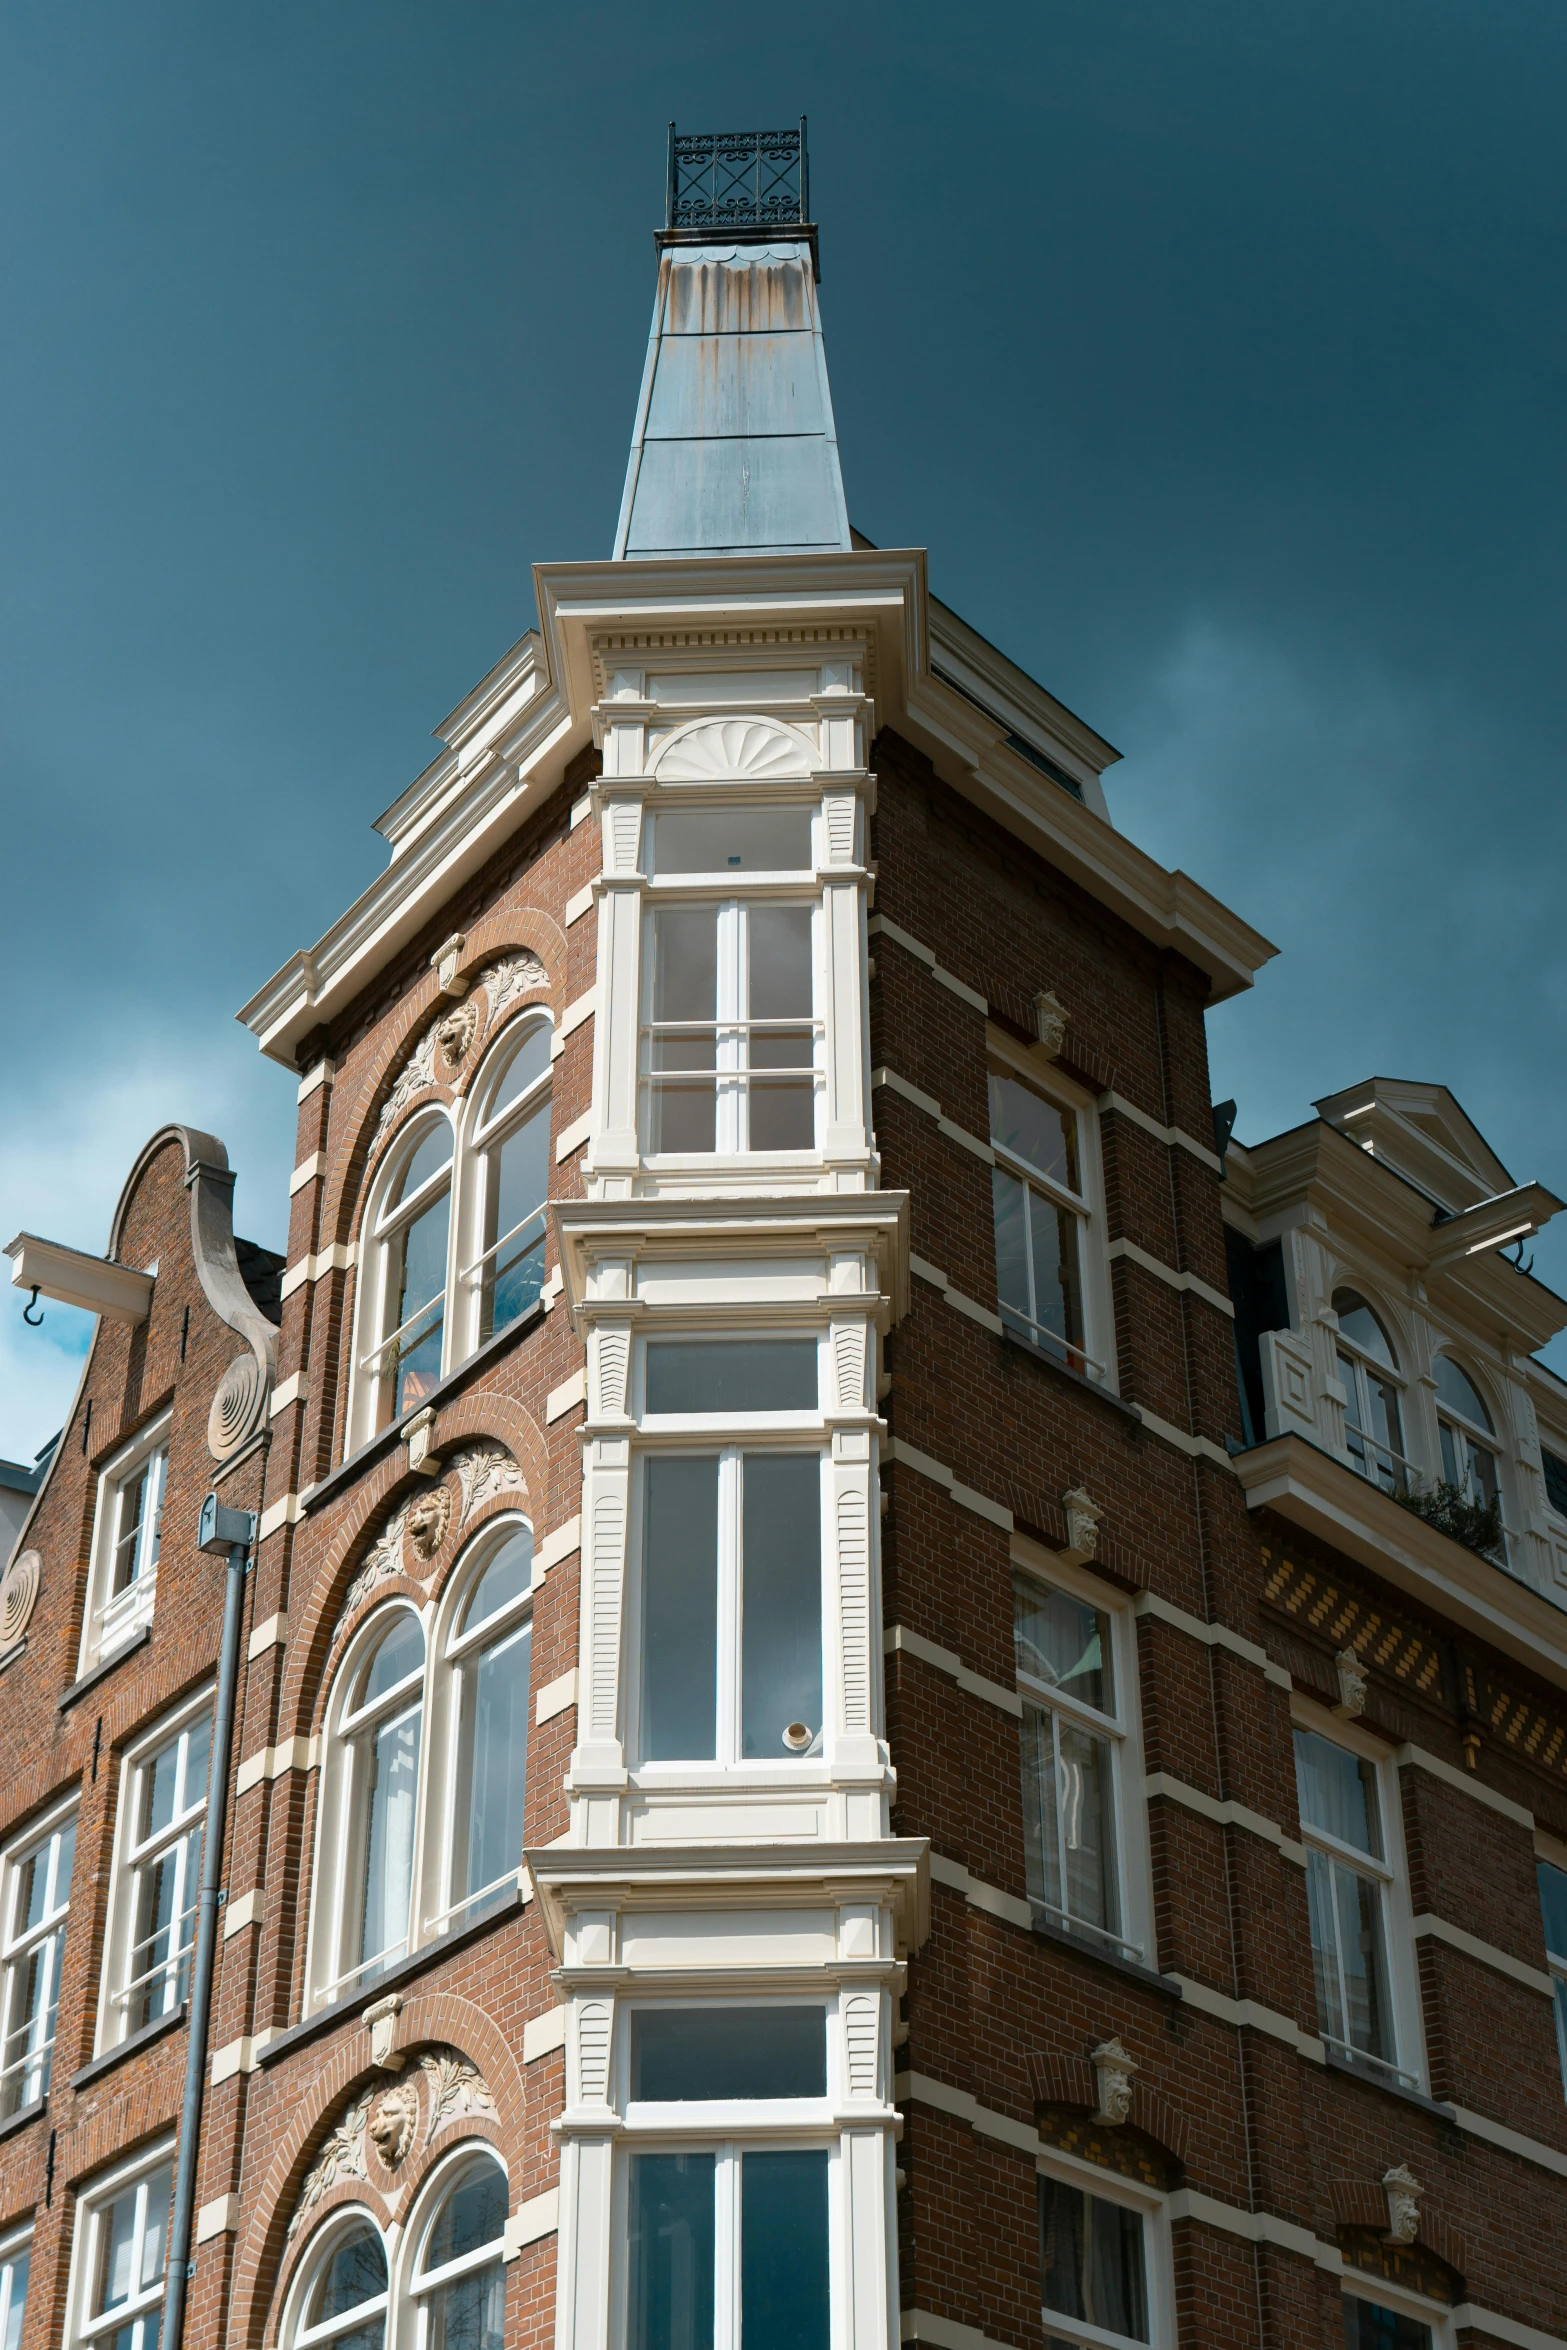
x=294 y=1389
x=1250 y=2015
x=934 y=1277
x=543 y=2033
x=573 y=1137
x=1257 y=2227
x=1148 y=1603
x=945 y=2333
x=1166 y=1273
x=565 y=1397
x=1479 y=2125
x=270 y=1762
x=248 y=1910
x=556 y=1696
x=1465 y=1782
x=555 y=1547
x=879 y=927
x=322 y=1074
x=932 y=1109
x=335 y=1259
x=1195 y=1447
x=530 y=2221
x=287 y=1510
x=1468 y=2316
x=943 y=2099
x=240 y=2056
x=964 y=1495
x=272 y=1634
x=1225 y=1814
x=896 y=1636
x=579 y=905
x=307 y=1172
x=1440 y=1930
x=1173 y=1137
x=979 y=1895
x=574 y=1014
x=218 y=2218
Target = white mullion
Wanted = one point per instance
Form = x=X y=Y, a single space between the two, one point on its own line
x=727 y=1642
x=726 y=2249
x=731 y=1123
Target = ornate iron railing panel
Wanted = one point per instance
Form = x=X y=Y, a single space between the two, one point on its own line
x=738 y=179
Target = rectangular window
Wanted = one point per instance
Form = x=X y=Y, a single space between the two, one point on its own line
x=154 y=1900
x=1093 y=2268
x=1041 y=1215
x=731 y=1375
x=1370 y=2325
x=708 y=2054
x=732 y=1055
x=1071 y=1734
x=728 y=840
x=120 y=2247
x=126 y=1544
x=37 y=1895
x=1347 y=1885
x=729 y=2247
x=1553 y=1911
x=1555 y=1481
x=731 y=1631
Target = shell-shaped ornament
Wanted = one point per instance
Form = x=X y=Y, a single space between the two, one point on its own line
x=19 y=1596
x=236 y=1408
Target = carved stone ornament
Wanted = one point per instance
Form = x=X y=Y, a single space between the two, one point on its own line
x=454 y=1034
x=417 y=1435
x=428 y=1519
x=380 y=2019
x=1403 y=2191
x=237 y=1407
x=1116 y=2072
x=456 y=2088
x=393 y=2122
x=1352 y=1684
x=483 y=1471
x=342 y=2157
x=19 y=1596
x=444 y=964
x=1082 y=1523
x=384 y=1559
x=1050 y=1019
x=417 y=1072
x=511 y=977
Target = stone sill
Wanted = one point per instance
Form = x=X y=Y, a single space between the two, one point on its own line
x=353 y=2003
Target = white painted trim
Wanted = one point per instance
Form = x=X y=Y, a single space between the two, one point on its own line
x=240 y=2056
x=294 y=1389
x=1195 y=1447
x=530 y=2221
x=932 y=1108
x=1227 y=1814
x=573 y=1137
x=580 y=904
x=287 y=1510
x=542 y=2034
x=270 y=1762
x=565 y=1397
x=1249 y=2014
x=307 y=1172
x=933 y=1275
x=272 y=1634
x=923 y=2325
x=1163 y=1272
x=978 y=1894
x=336 y=1259
x=878 y=925
x=896 y=1636
x=1511 y=2141
x=1148 y=1603
x=1173 y=1137
x=964 y=2108
x=1417 y=1758
x=1257 y=2227
x=1469 y=2316
x=556 y=1696
x=1440 y=1930
x=964 y=1495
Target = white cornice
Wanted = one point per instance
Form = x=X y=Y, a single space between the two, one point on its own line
x=1350 y=1515
x=798 y=1223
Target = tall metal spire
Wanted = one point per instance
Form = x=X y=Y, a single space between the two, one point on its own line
x=734 y=449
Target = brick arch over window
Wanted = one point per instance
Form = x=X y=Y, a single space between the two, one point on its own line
x=354 y=1121
x=1071 y=2082
x=265 y=2262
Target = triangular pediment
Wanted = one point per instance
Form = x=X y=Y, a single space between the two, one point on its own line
x=1421 y=1132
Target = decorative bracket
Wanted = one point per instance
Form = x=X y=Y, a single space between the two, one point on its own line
x=380 y=2018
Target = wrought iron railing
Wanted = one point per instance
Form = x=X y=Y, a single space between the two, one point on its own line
x=738 y=179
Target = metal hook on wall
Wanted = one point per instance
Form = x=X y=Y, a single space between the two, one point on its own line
x=1516 y=1259
x=30 y=1314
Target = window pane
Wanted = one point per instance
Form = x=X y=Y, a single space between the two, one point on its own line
x=1457 y=1390
x=163 y=1930
x=508 y=1575
x=1091 y=2260
x=670 y=2301
x=1555 y=1481
x=1041 y=1833
x=1337 y=1792
x=1361 y=1957
x=516 y=1185
x=1064 y=1642
x=390 y=1761
x=155 y=2228
x=780 y=1602
x=781 y=1111
x=780 y=962
x=718 y=840
x=1024 y=1123
x=1553 y=1906
x=422 y=1274
x=783 y=2251
x=685 y=987
x=497 y=1739
x=1361 y=1327
x=117 y=2249
x=732 y=1375
x=685 y=2053
x=32 y=2010
x=526 y=1066
x=1009 y=1200
x=14 y=2279
x=474 y=2214
x=1052 y=1235
x=680 y=1609
x=469 y=2313
x=399 y=1653
x=1367 y=2326
x=433 y=1152
x=354 y=2274
x=1087 y=1826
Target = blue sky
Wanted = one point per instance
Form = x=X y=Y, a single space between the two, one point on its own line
x=1215 y=353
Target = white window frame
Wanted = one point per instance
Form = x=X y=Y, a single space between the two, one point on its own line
x=1360 y=2285
x=479 y=1135
x=1158 y=2265
x=1407 y=2067
x=731 y=1025
x=373 y=1362
x=1097 y=1351
x=1123 y=1732
x=130 y=1858
x=1551 y=1850
x=14 y=2247
x=1476 y=1436
x=112 y=1618
x=18 y=1947
x=316 y=2252
x=1356 y=1370
x=84 y=2330
x=409 y=2290
x=447 y=1695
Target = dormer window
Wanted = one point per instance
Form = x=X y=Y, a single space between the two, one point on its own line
x=1467 y=1435
x=1373 y=1425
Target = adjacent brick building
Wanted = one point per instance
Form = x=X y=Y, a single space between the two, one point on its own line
x=848 y=1734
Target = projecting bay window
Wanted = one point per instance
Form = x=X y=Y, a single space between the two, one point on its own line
x=731 y=1045
x=1350 y=1888
x=37 y=1896
x=1042 y=1213
x=1073 y=1735
x=157 y=1878
x=1553 y=1912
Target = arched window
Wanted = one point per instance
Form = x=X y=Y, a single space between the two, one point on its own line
x=506 y=1184
x=1368 y=1367
x=489 y=1653
x=458 y=2285
x=346 y=2293
x=377 y=1722
x=1468 y=1460
x=403 y=1284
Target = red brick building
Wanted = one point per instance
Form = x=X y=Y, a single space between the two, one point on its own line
x=888 y=1697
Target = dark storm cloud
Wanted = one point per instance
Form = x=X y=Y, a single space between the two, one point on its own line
x=1215 y=353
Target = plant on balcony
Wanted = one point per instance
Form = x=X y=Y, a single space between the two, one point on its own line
x=1477 y=1525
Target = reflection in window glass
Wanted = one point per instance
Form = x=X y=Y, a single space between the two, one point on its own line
x=1028 y=1127
x=128 y=2259
x=513 y=1144
x=38 y=1896
x=1091 y=2261
x=13 y=2294
x=1345 y=1901
x=493 y=1761
x=685 y=2053
x=732 y=1375
x=725 y=840
x=1368 y=2326
x=1553 y=1911
x=507 y=1576
x=670 y=2302
x=170 y=1808
x=384 y=1780
x=732 y=1045
x=780 y=1603
x=461 y=2283
x=1063 y=1642
x=1069 y=1837
x=351 y=2282
x=680 y=1608
x=783 y=2251
x=685 y=1014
